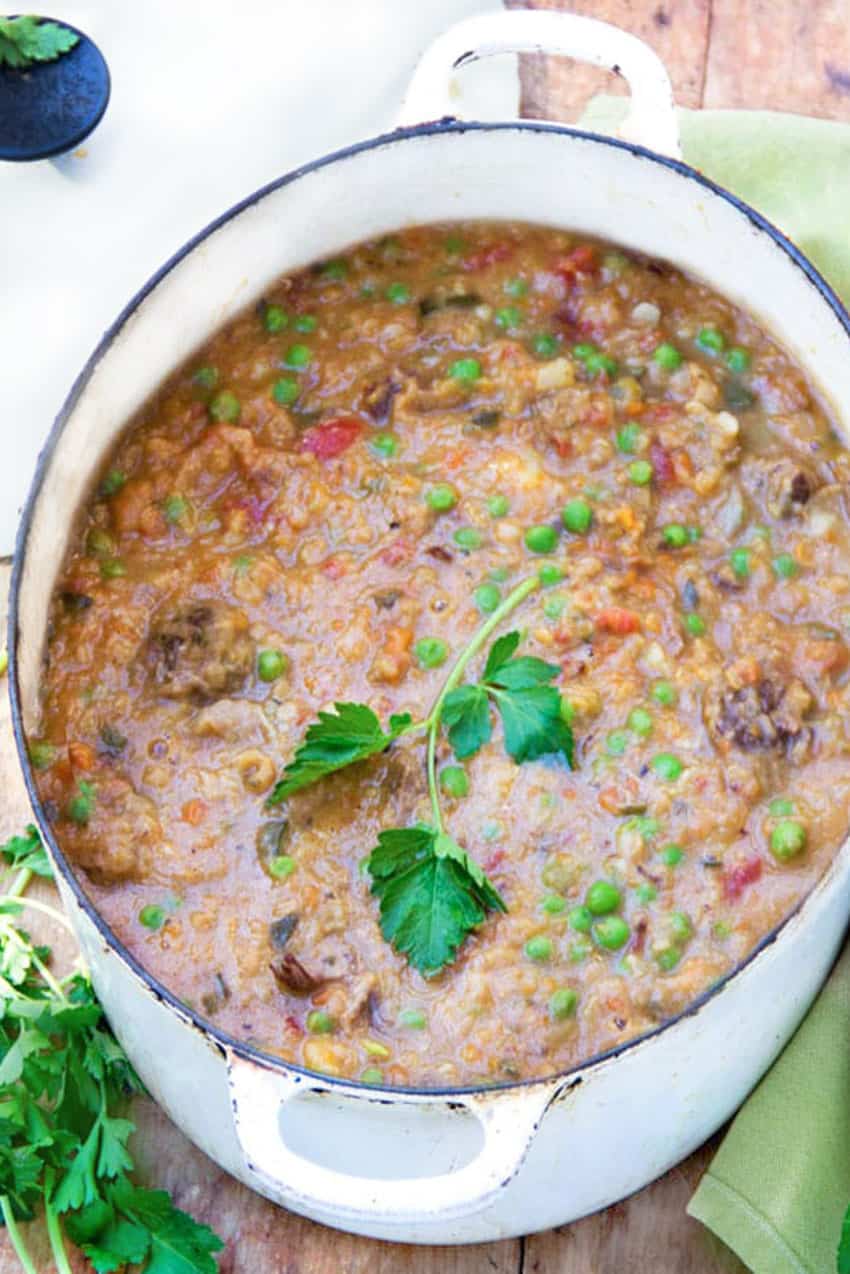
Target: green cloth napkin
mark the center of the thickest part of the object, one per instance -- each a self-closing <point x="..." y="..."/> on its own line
<point x="777" y="1189"/>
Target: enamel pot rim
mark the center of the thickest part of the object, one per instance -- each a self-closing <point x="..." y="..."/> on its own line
<point x="221" y="1040"/>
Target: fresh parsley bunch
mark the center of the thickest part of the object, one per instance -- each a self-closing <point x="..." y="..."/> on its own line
<point x="26" y="40"/>
<point x="64" y="1085"/>
<point x="432" y="894"/>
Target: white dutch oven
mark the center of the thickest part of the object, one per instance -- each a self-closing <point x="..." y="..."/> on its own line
<point x="462" y="1165"/>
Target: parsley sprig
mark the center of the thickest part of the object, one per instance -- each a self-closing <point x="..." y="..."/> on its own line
<point x="26" y="40"/>
<point x="431" y="893"/>
<point x="64" y="1083"/>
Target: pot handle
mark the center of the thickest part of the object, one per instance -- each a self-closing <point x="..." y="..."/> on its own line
<point x="258" y="1094"/>
<point x="651" y="119"/>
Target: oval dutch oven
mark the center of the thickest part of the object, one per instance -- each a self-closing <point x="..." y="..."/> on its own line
<point x="468" y="1164"/>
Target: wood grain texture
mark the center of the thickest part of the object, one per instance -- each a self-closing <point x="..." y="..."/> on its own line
<point x="790" y="55"/>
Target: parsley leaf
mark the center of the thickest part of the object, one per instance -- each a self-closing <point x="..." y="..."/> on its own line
<point x="27" y="852"/>
<point x="25" y="40"/>
<point x="178" y="1245"/>
<point x="843" y="1261"/>
<point x="533" y="724"/>
<point x="351" y="733"/>
<point x="466" y="712"/>
<point x="432" y="894"/>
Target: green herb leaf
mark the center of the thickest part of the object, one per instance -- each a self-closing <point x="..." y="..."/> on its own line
<point x="351" y="733"/>
<point x="178" y="1244"/>
<point x="27" y="852"/>
<point x="25" y="40"/>
<point x="466" y="712"/>
<point x="432" y="894"/>
<point x="533" y="724"/>
<point x="843" y="1261"/>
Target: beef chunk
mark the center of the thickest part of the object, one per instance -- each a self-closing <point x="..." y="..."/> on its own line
<point x="761" y="717"/>
<point x="200" y="651"/>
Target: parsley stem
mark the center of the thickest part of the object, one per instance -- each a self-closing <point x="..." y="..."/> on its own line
<point x="513" y="599"/>
<point x="20" y="883"/>
<point x="43" y="907"/>
<point x="57" y="1245"/>
<point x="15" y="1236"/>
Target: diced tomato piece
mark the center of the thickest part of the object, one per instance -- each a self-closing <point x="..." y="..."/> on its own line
<point x="334" y="568"/>
<point x="494" y="860"/>
<point x="193" y="812"/>
<point x="490" y="254"/>
<point x="616" y="619"/>
<point x="736" y="879"/>
<point x="397" y="553"/>
<point x="582" y="260"/>
<point x="658" y="412"/>
<point x="662" y="463"/>
<point x="81" y="755"/>
<point x="329" y="439"/>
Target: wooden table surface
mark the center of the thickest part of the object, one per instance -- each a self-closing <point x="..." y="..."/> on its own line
<point x="774" y="54"/>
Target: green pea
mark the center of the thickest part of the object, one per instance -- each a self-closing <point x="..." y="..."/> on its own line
<point x="664" y="692"/>
<point x="539" y="948"/>
<point x="413" y="1019"/>
<point x="550" y="574"/>
<point x="611" y="932"/>
<point x="580" y="950"/>
<point x="492" y="829"/>
<point x="431" y="652"/>
<point x="441" y="497"/>
<point x="509" y="317"/>
<point x="335" y="270"/>
<point x="498" y="506"/>
<point x="385" y="446"/>
<point x="398" y="293"/>
<point x="225" y="406"/>
<point x="281" y="866"/>
<point x="584" y="350"/>
<point x="499" y="574"/>
<point x="297" y="357"/>
<point x="781" y="808"/>
<point x="667" y="357"/>
<point x="112" y="568"/>
<point x="667" y="766"/>
<point x="454" y="781"/>
<point x="465" y="369"/>
<point x="285" y="391"/>
<point x="152" y="917"/>
<point x="710" y="340"/>
<point x="738" y="360"/>
<point x="275" y="318"/>
<point x="675" y="535"/>
<point x="668" y="958"/>
<point x="672" y="855"/>
<point x="320" y="1023"/>
<point x="628" y="438"/>
<point x="205" y="378"/>
<point x="616" y="742"/>
<point x="646" y="892"/>
<point x="515" y="287"/>
<point x="545" y="345"/>
<point x="99" y="543"/>
<point x="541" y="539"/>
<point x="645" y="826"/>
<point x="468" y="538"/>
<point x="271" y="664"/>
<point x="306" y="323"/>
<point x="787" y="839"/>
<point x="454" y="244"/>
<point x="597" y="362"/>
<point x="721" y="929"/>
<point x="372" y="1075"/>
<point x="694" y="533"/>
<point x="640" y="721"/>
<point x="640" y="473"/>
<point x="695" y="624"/>
<point x="487" y="598"/>
<point x="580" y="919"/>
<point x="784" y="566"/>
<point x="577" y="516"/>
<point x="602" y="897"/>
<point x="41" y="753"/>
<point x="553" y="904"/>
<point x="681" y="926"/>
<point x="554" y="607"/>
<point x="174" y="508"/>
<point x="563" y="1003"/>
<point x="739" y="560"/>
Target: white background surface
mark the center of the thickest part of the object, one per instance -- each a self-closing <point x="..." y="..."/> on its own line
<point x="210" y="99"/>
